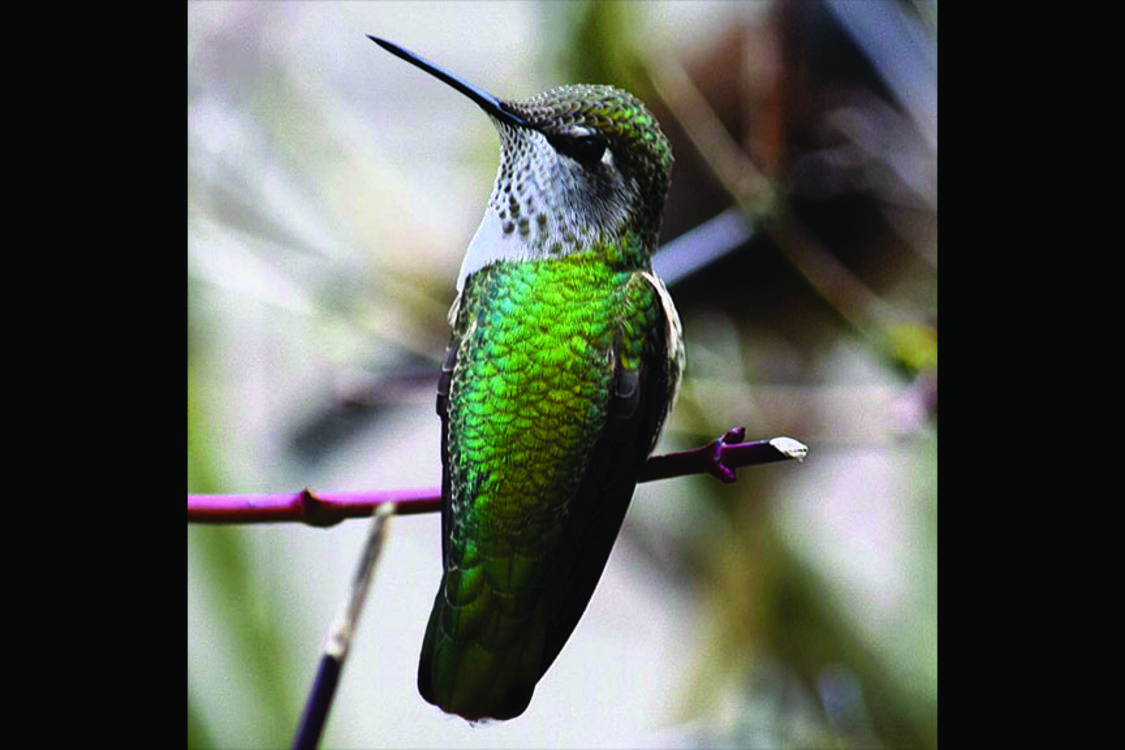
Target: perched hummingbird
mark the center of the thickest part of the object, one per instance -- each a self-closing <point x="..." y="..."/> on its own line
<point x="564" y="361"/>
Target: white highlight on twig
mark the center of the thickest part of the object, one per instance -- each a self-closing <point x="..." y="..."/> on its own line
<point x="790" y="447"/>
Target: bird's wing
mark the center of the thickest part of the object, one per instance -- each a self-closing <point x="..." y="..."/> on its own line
<point x="643" y="390"/>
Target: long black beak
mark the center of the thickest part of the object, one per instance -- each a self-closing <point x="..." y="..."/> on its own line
<point x="489" y="103"/>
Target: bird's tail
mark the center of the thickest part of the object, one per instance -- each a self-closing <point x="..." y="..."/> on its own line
<point x="482" y="659"/>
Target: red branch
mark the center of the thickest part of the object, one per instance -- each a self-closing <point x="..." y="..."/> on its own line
<point x="720" y="458"/>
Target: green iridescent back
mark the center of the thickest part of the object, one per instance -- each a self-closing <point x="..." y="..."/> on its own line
<point x="528" y="403"/>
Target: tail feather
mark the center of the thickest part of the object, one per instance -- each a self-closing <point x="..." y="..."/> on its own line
<point x="482" y="668"/>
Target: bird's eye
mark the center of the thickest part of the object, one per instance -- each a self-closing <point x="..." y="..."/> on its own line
<point x="585" y="149"/>
<point x="588" y="148"/>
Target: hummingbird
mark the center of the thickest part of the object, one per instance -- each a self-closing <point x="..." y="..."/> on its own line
<point x="564" y="360"/>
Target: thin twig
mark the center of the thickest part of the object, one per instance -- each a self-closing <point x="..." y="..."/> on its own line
<point x="339" y="639"/>
<point x="308" y="507"/>
<point x="720" y="458"/>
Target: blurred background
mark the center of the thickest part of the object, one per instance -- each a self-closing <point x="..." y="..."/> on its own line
<point x="332" y="190"/>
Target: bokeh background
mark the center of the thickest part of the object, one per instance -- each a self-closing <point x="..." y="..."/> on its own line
<point x="332" y="189"/>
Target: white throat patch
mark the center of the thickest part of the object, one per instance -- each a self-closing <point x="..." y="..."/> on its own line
<point x="491" y="244"/>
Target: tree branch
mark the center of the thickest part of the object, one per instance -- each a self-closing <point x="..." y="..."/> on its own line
<point x="719" y="458"/>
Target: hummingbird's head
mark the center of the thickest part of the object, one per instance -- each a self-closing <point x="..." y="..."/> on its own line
<point x="581" y="168"/>
<point x="590" y="160"/>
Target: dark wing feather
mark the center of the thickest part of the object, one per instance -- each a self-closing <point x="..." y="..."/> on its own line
<point x="425" y="669"/>
<point x="639" y="401"/>
<point x="449" y="362"/>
